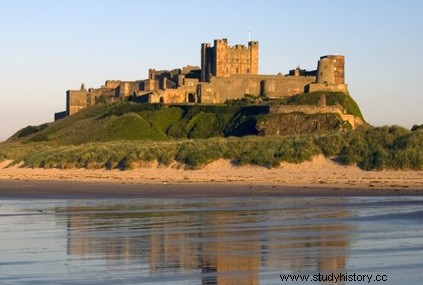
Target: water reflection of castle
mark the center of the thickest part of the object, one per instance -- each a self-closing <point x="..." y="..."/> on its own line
<point x="219" y="245"/>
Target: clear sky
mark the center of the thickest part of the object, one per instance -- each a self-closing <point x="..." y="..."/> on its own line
<point x="48" y="47"/>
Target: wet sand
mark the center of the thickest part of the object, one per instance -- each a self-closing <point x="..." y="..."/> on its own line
<point x="55" y="189"/>
<point x="320" y="177"/>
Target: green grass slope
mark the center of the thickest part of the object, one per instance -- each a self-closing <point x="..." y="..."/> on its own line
<point x="156" y="122"/>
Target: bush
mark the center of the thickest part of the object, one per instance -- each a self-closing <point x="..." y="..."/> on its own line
<point x="177" y="130"/>
<point x="238" y="102"/>
<point x="383" y="148"/>
<point x="163" y="119"/>
<point x="29" y="130"/>
<point x="305" y="98"/>
<point x="203" y="126"/>
<point x="331" y="144"/>
<point x="195" y="154"/>
<point x="417" y="128"/>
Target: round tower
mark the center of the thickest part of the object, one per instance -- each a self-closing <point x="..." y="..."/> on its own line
<point x="330" y="69"/>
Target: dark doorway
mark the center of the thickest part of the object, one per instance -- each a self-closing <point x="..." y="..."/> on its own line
<point x="161" y="100"/>
<point x="191" y="98"/>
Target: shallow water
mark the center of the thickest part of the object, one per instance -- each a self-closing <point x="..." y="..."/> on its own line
<point x="210" y="240"/>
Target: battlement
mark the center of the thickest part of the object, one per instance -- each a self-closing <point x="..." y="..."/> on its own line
<point x="240" y="46"/>
<point x="221" y="41"/>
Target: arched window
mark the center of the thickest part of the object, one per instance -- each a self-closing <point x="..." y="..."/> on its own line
<point x="161" y="100"/>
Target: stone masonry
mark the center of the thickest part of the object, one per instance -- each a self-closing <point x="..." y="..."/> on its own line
<point x="226" y="72"/>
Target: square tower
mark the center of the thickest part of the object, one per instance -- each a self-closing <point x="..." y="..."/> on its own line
<point x="222" y="60"/>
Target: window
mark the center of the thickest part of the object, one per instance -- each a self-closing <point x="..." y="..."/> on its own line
<point x="237" y="70"/>
<point x="248" y="70"/>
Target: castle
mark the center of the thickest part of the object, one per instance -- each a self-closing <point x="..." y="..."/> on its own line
<point x="226" y="72"/>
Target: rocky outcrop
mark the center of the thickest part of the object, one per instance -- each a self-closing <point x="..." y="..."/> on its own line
<point x="305" y="119"/>
<point x="300" y="123"/>
<point x="309" y="110"/>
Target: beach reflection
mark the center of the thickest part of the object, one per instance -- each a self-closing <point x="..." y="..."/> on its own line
<point x="215" y="241"/>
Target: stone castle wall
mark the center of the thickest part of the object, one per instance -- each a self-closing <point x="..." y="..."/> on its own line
<point x="227" y="72"/>
<point x="75" y="101"/>
<point x="272" y="86"/>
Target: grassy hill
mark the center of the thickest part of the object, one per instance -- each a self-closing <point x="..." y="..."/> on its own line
<point x="125" y="135"/>
<point x="132" y="121"/>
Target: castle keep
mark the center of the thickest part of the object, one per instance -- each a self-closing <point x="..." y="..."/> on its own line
<point x="226" y="72"/>
<point x="225" y="61"/>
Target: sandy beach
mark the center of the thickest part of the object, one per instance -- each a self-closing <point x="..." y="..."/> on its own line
<point x="321" y="173"/>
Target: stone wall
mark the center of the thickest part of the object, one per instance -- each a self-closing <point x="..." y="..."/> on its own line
<point x="235" y="87"/>
<point x="60" y="115"/>
<point x="94" y="94"/>
<point x="76" y="100"/>
<point x="328" y="87"/>
<point x="113" y="84"/>
<point x="127" y="88"/>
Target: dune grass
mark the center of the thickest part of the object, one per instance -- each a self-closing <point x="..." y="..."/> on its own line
<point x="369" y="148"/>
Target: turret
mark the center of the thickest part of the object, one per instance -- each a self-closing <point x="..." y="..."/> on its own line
<point x="222" y="68"/>
<point x="205" y="62"/>
<point x="254" y="56"/>
<point x="330" y="70"/>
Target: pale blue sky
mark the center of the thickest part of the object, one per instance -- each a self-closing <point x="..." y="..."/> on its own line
<point x="48" y="47"/>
